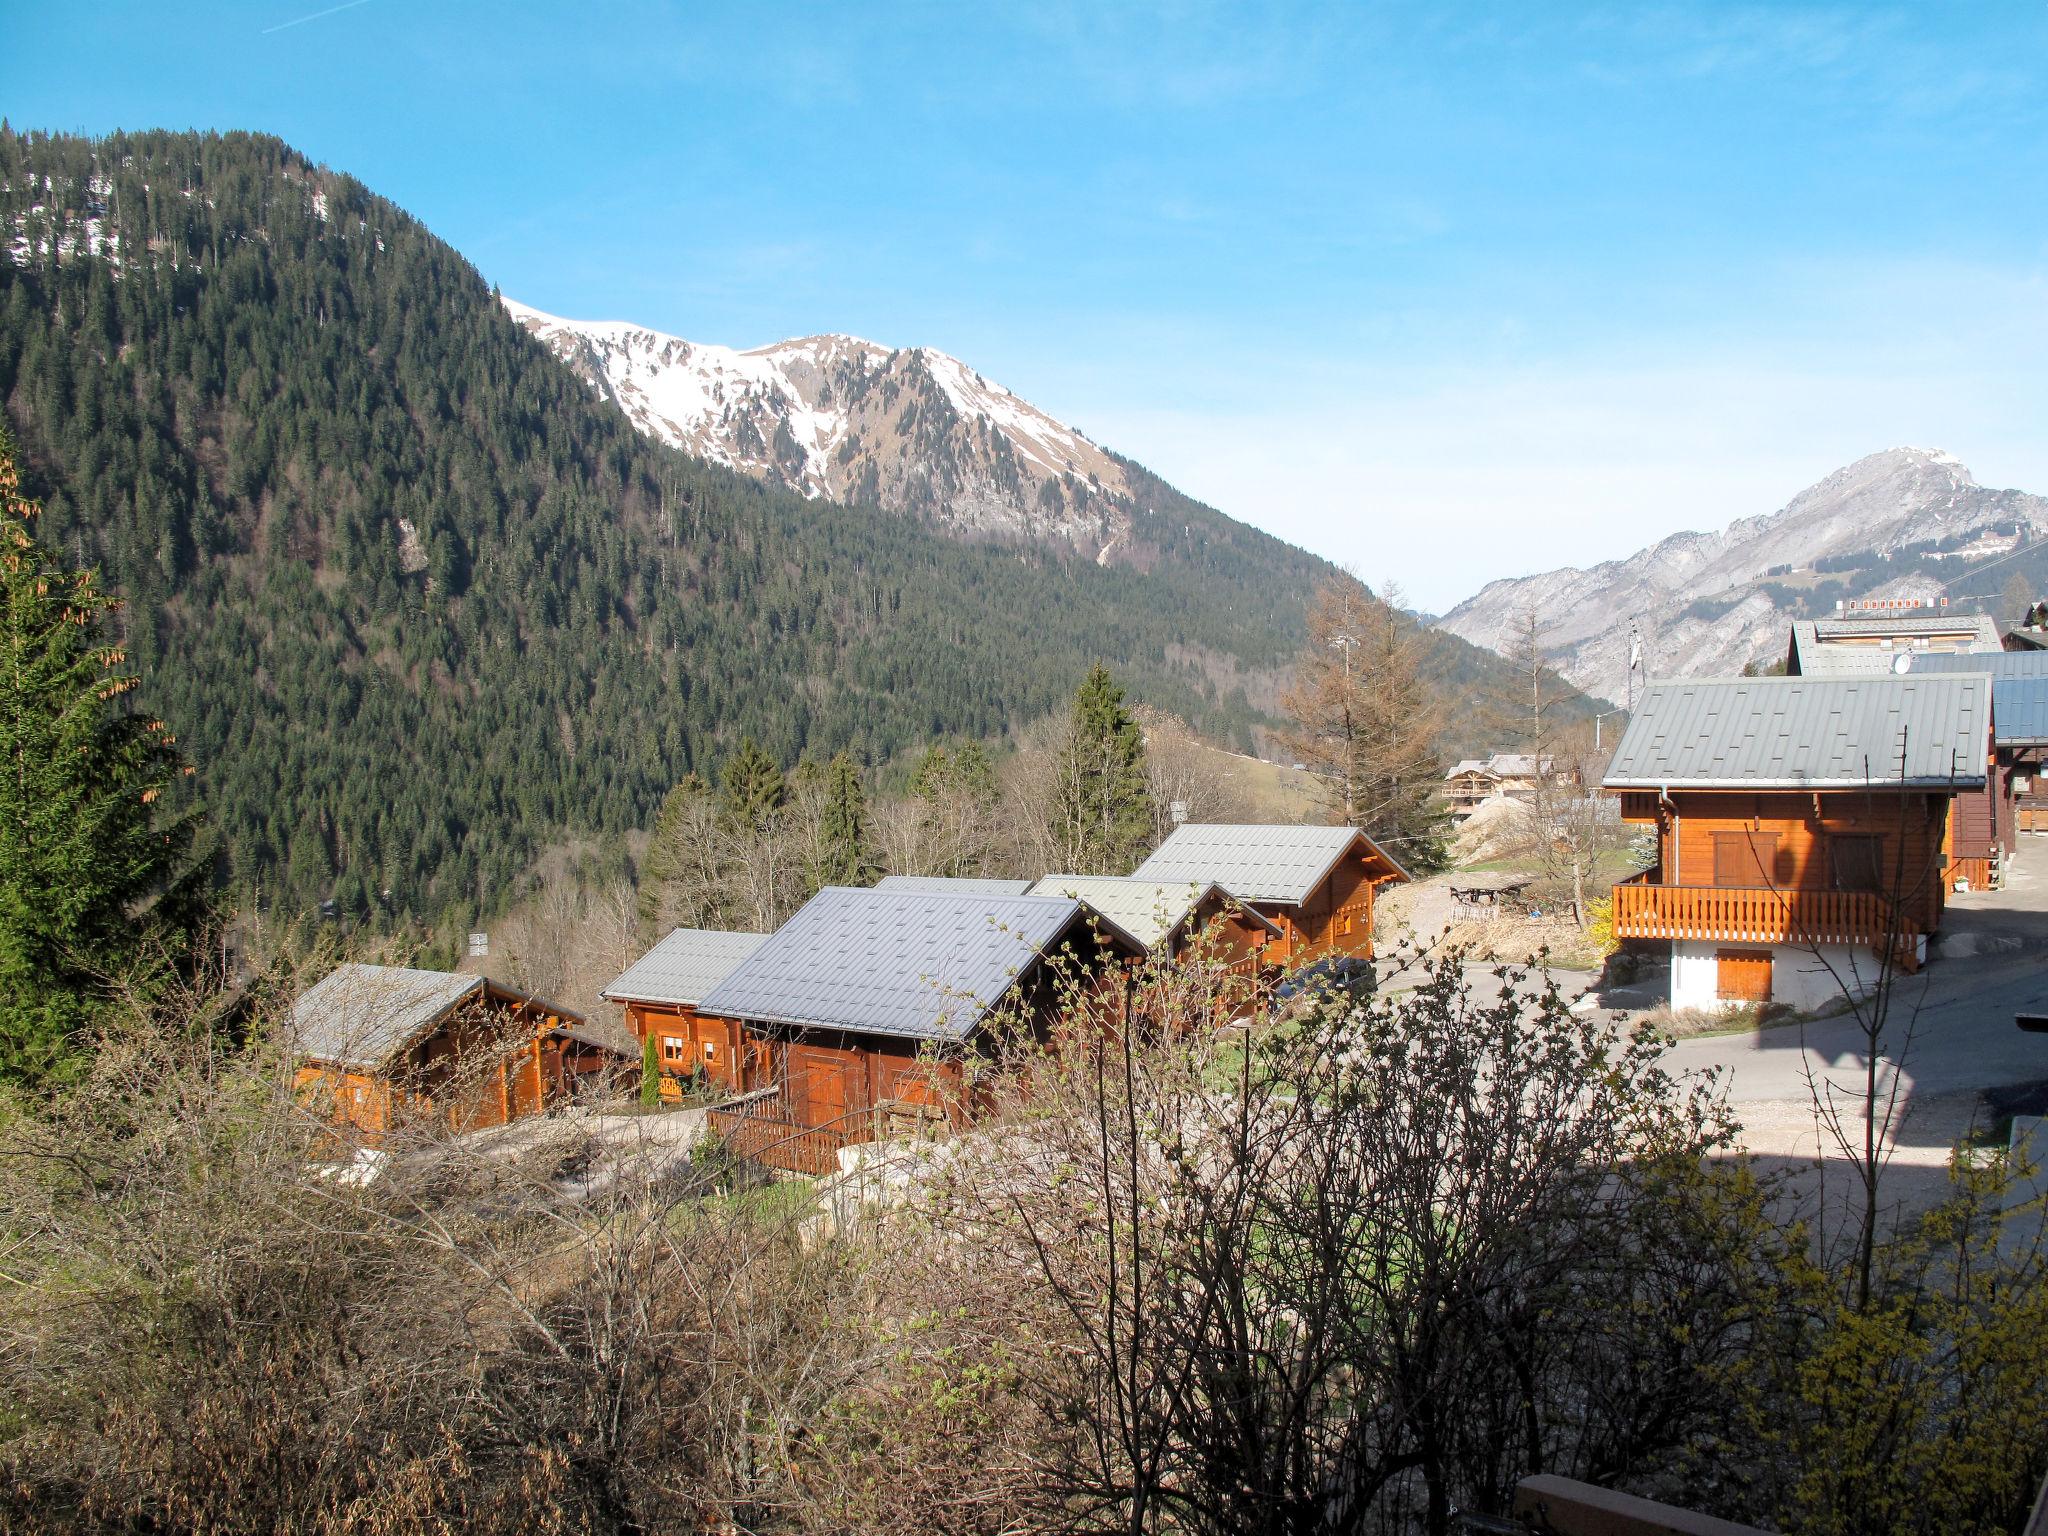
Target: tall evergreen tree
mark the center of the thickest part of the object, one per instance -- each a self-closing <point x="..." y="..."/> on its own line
<point x="751" y="788"/>
<point x="97" y="876"/>
<point x="1104" y="802"/>
<point x="845" y="853"/>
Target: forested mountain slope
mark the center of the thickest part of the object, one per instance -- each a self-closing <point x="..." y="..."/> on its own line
<point x="416" y="602"/>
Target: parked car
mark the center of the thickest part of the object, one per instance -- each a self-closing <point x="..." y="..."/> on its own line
<point x="1340" y="975"/>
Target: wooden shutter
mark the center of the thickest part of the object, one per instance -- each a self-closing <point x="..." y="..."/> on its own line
<point x="1745" y="858"/>
<point x="1745" y="975"/>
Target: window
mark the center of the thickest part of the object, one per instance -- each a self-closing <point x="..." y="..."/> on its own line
<point x="1857" y="863"/>
<point x="671" y="1048"/>
<point x="711" y="1050"/>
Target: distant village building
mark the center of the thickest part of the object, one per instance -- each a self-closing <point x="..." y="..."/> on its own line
<point x="1503" y="776"/>
<point x="1317" y="884"/>
<point x="1862" y="645"/>
<point x="662" y="992"/>
<point x="1801" y="826"/>
<point x="378" y="1045"/>
<point x="867" y="1004"/>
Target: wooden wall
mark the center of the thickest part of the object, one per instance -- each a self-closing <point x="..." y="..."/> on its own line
<point x="716" y="1045"/>
<point x="1314" y="928"/>
<point x="1803" y="824"/>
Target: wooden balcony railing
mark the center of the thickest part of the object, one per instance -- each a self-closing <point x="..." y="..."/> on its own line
<point x="1644" y="909"/>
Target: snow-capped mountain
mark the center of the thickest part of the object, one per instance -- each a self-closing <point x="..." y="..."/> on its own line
<point x="1901" y="523"/>
<point x="907" y="429"/>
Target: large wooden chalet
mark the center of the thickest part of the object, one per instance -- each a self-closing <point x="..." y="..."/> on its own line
<point x="380" y="1045"/>
<point x="1801" y="824"/>
<point x="867" y="1004"/>
<point x="663" y="991"/>
<point x="1316" y="884"/>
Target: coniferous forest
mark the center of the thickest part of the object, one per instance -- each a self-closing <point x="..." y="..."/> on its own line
<point x="416" y="603"/>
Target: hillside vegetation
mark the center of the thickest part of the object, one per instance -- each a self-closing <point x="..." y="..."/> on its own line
<point x="416" y="603"/>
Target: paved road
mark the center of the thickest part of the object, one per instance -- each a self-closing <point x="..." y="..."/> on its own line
<point x="1952" y="1022"/>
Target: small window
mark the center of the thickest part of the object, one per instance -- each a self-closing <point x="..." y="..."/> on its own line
<point x="1858" y="863"/>
<point x="711" y="1050"/>
<point x="671" y="1048"/>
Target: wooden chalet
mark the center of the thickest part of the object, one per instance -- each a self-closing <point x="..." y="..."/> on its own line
<point x="379" y="1045"/>
<point x="663" y="992"/>
<point x="1503" y="776"/>
<point x="1169" y="917"/>
<point x="1316" y="884"/>
<point x="1984" y="826"/>
<point x="1801" y="825"/>
<point x="862" y="1010"/>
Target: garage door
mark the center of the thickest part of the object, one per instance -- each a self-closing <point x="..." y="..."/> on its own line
<point x="1745" y="975"/>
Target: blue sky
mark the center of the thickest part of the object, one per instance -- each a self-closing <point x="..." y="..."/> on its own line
<point x="1445" y="292"/>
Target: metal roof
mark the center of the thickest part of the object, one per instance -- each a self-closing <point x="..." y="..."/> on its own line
<point x="2019" y="691"/>
<point x="1807" y="733"/>
<point x="1148" y="910"/>
<point x="1256" y="862"/>
<point x="683" y="966"/>
<point x="363" y="1015"/>
<point x="958" y="884"/>
<point x="928" y="965"/>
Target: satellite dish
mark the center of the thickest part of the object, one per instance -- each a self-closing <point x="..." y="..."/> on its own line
<point x="1902" y="663"/>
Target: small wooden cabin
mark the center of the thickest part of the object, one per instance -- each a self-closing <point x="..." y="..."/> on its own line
<point x="867" y="1004"/>
<point x="663" y="992"/>
<point x="1801" y="825"/>
<point x="379" y="1044"/>
<point x="1316" y="884"/>
<point x="1173" y="917"/>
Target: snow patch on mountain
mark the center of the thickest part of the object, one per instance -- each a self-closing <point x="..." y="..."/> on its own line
<point x="842" y="418"/>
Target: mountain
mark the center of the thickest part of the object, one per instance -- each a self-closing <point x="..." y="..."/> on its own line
<point x="908" y="430"/>
<point x="1907" y="522"/>
<point x="418" y="603"/>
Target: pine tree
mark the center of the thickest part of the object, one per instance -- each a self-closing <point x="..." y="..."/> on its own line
<point x="97" y="883"/>
<point x="751" y="788"/>
<point x="845" y="854"/>
<point x="650" y="1075"/>
<point x="1367" y="721"/>
<point x="1103" y="801"/>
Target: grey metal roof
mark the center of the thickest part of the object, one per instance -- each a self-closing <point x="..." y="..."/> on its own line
<point x="362" y="1015"/>
<point x="927" y="965"/>
<point x="2019" y="691"/>
<point x="1148" y="910"/>
<point x="1807" y="733"/>
<point x="958" y="884"/>
<point x="683" y="966"/>
<point x="1256" y="862"/>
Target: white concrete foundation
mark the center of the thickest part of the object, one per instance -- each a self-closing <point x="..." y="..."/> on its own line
<point x="1799" y="978"/>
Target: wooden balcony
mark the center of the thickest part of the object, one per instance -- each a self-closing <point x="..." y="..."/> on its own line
<point x="1644" y="909"/>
